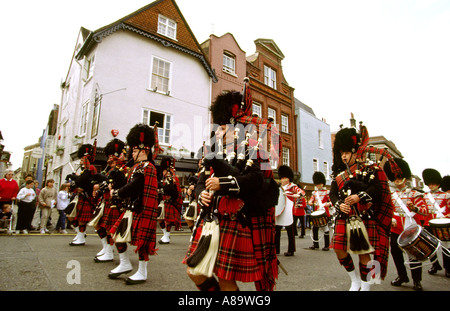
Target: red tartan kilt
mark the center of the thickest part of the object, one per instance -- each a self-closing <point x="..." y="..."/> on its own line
<point x="340" y="241"/>
<point x="110" y="216"/>
<point x="171" y="214"/>
<point x="236" y="258"/>
<point x="85" y="209"/>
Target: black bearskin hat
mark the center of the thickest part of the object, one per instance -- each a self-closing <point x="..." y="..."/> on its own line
<point x="166" y="162"/>
<point x="431" y="176"/>
<point x="114" y="147"/>
<point x="286" y="171"/>
<point x="85" y="150"/>
<point x="404" y="166"/>
<point x="319" y="178"/>
<point x="225" y="107"/>
<point x="445" y="184"/>
<point x="347" y="139"/>
<point x="141" y="136"/>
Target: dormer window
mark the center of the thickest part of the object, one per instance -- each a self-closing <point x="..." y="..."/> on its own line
<point x="167" y="27"/>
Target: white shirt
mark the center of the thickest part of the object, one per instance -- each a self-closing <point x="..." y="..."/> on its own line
<point x="22" y="195"/>
<point x="63" y="200"/>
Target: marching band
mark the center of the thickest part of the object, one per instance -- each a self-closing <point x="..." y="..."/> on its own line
<point x="236" y="208"/>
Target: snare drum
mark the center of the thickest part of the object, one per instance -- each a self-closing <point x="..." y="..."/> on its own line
<point x="440" y="227"/>
<point x="418" y="243"/>
<point x="319" y="218"/>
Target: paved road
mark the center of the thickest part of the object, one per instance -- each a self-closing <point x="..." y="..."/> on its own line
<point x="47" y="263"/>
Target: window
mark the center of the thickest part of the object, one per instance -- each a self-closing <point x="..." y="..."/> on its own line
<point x="96" y="115"/>
<point x="270" y="77"/>
<point x="229" y="63"/>
<point x="315" y="165"/>
<point x="160" y="75"/>
<point x="320" y="139"/>
<point x="271" y="113"/>
<point x="325" y="169"/>
<point x="88" y="68"/>
<point x="164" y="124"/>
<point x="167" y="27"/>
<point x="84" y="118"/>
<point x="286" y="156"/>
<point x="284" y="124"/>
<point x="256" y="109"/>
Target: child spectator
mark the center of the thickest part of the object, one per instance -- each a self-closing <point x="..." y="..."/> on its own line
<point x="5" y="216"/>
<point x="47" y="200"/>
<point x="62" y="202"/>
<point x="26" y="197"/>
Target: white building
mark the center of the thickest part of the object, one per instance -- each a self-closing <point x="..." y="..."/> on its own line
<point x="145" y="67"/>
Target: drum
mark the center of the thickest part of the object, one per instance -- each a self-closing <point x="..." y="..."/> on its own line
<point x="440" y="227"/>
<point x="319" y="218"/>
<point x="283" y="210"/>
<point x="281" y="202"/>
<point x="418" y="243"/>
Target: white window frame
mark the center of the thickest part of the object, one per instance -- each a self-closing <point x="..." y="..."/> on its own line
<point x="229" y="63"/>
<point x="163" y="129"/>
<point x="84" y="118"/>
<point x="284" y="123"/>
<point x="270" y="77"/>
<point x="286" y="156"/>
<point x="88" y="67"/>
<point x="96" y="115"/>
<point x="320" y="133"/>
<point x="167" y="27"/>
<point x="159" y="75"/>
<point x="315" y="164"/>
<point x="272" y="113"/>
<point x="256" y="110"/>
<point x="326" y="170"/>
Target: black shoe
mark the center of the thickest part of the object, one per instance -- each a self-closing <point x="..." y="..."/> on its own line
<point x="313" y="247"/>
<point x="417" y="286"/>
<point x="301" y="237"/>
<point x="132" y="282"/>
<point x="399" y="281"/>
<point x="116" y="275"/>
<point x="289" y="254"/>
<point x="434" y="269"/>
<point x="326" y="249"/>
<point x="447" y="273"/>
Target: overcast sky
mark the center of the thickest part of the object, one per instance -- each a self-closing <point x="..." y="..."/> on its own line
<point x="388" y="62"/>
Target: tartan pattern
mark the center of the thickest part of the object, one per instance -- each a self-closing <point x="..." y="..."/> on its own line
<point x="110" y="215"/>
<point x="383" y="217"/>
<point x="85" y="209"/>
<point x="143" y="230"/>
<point x="246" y="254"/>
<point x="172" y="210"/>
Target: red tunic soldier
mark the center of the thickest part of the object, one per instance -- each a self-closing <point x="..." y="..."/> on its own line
<point x="410" y="208"/>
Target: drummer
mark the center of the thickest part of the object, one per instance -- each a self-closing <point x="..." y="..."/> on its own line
<point x="320" y="200"/>
<point x="293" y="192"/>
<point x="409" y="209"/>
<point x="438" y="204"/>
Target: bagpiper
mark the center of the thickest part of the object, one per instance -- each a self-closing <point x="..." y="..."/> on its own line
<point x="84" y="185"/>
<point x="360" y="194"/>
<point x="110" y="209"/>
<point x="171" y="200"/>
<point x="234" y="237"/>
<point x="137" y="224"/>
